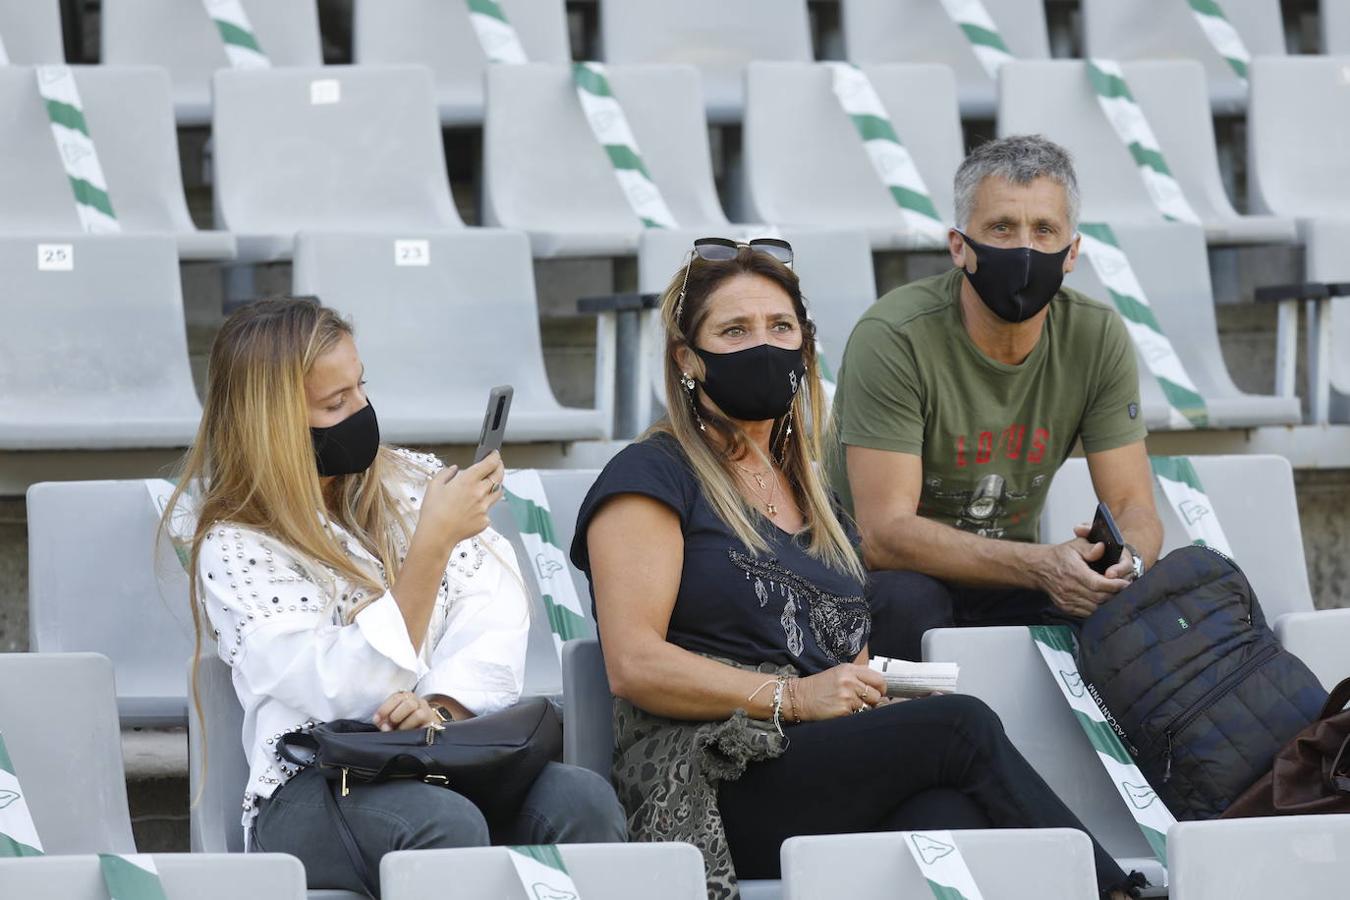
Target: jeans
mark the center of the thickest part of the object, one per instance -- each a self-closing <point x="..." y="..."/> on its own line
<point x="567" y="804"/>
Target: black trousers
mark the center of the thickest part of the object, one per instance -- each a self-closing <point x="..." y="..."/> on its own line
<point x="941" y="762"/>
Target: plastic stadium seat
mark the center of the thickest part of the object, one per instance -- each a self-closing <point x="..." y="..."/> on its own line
<point x="1335" y="17"/>
<point x="142" y="621"/>
<point x="568" y="198"/>
<point x="1170" y="262"/>
<point x="879" y="866"/>
<point x="806" y="165"/>
<point x="437" y="337"/>
<point x="58" y="716"/>
<point x="441" y="36"/>
<point x="1002" y="667"/>
<point x="718" y="37"/>
<point x="184" y="876"/>
<point x="1319" y="639"/>
<point x="94" y="356"/>
<point x="921" y="31"/>
<point x="31" y="31"/>
<point x="566" y="489"/>
<point x="131" y="121"/>
<point x="179" y="36"/>
<point x="1290" y="857"/>
<point x="1166" y="29"/>
<point x="1253" y="498"/>
<point x="1055" y="98"/>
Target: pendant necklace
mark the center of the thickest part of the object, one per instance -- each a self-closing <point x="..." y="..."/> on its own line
<point x="760" y="487"/>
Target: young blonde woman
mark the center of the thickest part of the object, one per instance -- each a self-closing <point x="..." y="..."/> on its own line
<point x="729" y="598"/>
<point x="345" y="579"/>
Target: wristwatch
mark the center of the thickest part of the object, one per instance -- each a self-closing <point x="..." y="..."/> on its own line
<point x="442" y="713"/>
<point x="1136" y="561"/>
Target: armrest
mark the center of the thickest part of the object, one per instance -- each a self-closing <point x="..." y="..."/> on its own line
<point x="1319" y="639"/>
<point x="1305" y="290"/>
<point x="624" y="302"/>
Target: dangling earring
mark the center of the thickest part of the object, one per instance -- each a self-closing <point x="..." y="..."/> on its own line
<point x="690" y="385"/>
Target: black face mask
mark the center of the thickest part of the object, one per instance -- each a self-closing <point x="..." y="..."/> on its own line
<point x="754" y="384"/>
<point x="349" y="446"/>
<point x="1015" y="282"/>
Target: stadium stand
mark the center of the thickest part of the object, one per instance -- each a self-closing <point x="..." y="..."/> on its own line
<point x="197" y="876"/>
<point x="806" y="165"/>
<point x="93" y="354"/>
<point x="439" y="35"/>
<point x="719" y="38"/>
<point x="922" y="31"/>
<point x="1164" y="29"/>
<point x="1056" y="99"/>
<point x="130" y="119"/>
<point x="31" y="31"/>
<point x="1290" y="857"/>
<point x="534" y="106"/>
<point x="179" y="36"/>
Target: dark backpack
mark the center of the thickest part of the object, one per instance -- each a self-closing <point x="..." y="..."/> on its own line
<point x="1205" y="695"/>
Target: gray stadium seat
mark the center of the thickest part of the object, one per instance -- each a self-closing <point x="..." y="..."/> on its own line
<point x="1290" y="857"/>
<point x="719" y="38"/>
<point x="1170" y="261"/>
<point x="58" y="716"/>
<point x="179" y="36"/>
<point x="806" y="165"/>
<point x="1055" y="98"/>
<point x="566" y="489"/>
<point x="141" y="620"/>
<point x="94" y="357"/>
<point x="440" y="35"/>
<point x="1166" y="29"/>
<point x="370" y="162"/>
<point x="1335" y="16"/>
<point x="435" y="336"/>
<point x="1002" y="862"/>
<point x="1319" y="639"/>
<point x="31" y="31"/>
<point x="921" y="31"/>
<point x="1253" y="499"/>
<point x="568" y="199"/>
<point x="184" y="876"/>
<point x="131" y="121"/>
<point x="670" y="871"/>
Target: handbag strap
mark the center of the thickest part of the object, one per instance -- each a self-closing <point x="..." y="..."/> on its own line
<point x="1336" y="700"/>
<point x="344" y="832"/>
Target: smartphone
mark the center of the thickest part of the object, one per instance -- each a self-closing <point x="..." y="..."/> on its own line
<point x="494" y="421"/>
<point x="1104" y="531"/>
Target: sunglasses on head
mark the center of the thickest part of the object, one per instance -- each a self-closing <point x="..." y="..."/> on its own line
<point x="716" y="249"/>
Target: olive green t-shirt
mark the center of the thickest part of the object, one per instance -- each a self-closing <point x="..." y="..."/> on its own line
<point x="991" y="435"/>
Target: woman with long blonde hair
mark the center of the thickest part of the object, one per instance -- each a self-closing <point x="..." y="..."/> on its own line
<point x="729" y="599"/>
<point x="345" y="579"/>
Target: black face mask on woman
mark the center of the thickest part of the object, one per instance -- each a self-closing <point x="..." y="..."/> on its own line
<point x="1015" y="282"/>
<point x="349" y="446"/>
<point x="753" y="384"/>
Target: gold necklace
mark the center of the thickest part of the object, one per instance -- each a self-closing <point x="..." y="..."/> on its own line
<point x="769" y="506"/>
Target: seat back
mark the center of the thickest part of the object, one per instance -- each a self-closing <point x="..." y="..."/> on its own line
<point x="127" y="598"/>
<point x="31" y="31"/>
<point x="441" y="36"/>
<point x="588" y="708"/>
<point x="879" y="866"/>
<point x="1291" y="857"/>
<point x="1319" y="639"/>
<point x="93" y="355"/>
<point x="217" y="765"/>
<point x="71" y="771"/>
<point x="1298" y="123"/>
<point x="1253" y="499"/>
<point x="184" y="876"/>
<point x="1335" y="27"/>
<point x="566" y="489"/>
<point x="922" y="31"/>
<point x="719" y="38"/>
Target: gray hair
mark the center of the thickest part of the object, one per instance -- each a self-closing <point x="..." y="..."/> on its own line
<point x="1021" y="159"/>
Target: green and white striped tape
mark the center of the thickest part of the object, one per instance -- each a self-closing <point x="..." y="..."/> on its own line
<point x="979" y="28"/>
<point x="130" y="876"/>
<point x="236" y="32"/>
<point x="943" y="867"/>
<point x="1056" y="646"/>
<point x="610" y="127"/>
<point x="1181" y="486"/>
<point x="542" y="872"/>
<point x="1222" y="35"/>
<point x="893" y="163"/>
<point x="496" y="35"/>
<point x="56" y="84"/>
<point x="18" y="834"/>
<point x="528" y="503"/>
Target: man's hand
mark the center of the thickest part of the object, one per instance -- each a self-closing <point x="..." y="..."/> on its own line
<point x="1063" y="573"/>
<point x="1124" y="567"/>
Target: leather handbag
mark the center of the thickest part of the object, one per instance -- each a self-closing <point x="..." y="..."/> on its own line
<point x="1311" y="774"/>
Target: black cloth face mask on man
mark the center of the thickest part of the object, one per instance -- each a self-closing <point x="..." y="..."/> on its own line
<point x="1015" y="282"/>
<point x="753" y="384"/>
<point x="349" y="446"/>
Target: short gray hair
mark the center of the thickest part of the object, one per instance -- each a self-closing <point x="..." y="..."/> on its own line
<point x="1021" y="159"/>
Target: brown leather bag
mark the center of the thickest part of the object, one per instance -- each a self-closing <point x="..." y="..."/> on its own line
<point x="1311" y="775"/>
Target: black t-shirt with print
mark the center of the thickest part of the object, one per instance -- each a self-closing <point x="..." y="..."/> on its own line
<point x="784" y="607"/>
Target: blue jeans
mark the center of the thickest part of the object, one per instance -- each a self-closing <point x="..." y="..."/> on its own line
<point x="566" y="805"/>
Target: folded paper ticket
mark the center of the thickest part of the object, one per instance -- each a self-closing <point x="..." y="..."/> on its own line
<point x="914" y="679"/>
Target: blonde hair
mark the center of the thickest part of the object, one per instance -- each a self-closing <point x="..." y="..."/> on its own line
<point x="797" y="439"/>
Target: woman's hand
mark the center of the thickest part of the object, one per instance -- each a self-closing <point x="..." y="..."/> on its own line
<point x="404" y="711"/>
<point x="455" y="506"/>
<point x="839" y="691"/>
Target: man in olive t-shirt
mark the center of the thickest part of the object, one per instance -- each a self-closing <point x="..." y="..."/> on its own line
<point x="961" y="395"/>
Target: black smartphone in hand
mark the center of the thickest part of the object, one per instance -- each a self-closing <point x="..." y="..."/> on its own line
<point x="494" y="421"/>
<point x="1104" y="531"/>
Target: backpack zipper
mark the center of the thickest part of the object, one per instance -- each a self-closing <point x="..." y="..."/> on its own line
<point x="1212" y="696"/>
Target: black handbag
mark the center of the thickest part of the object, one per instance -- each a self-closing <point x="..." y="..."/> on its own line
<point x="492" y="760"/>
